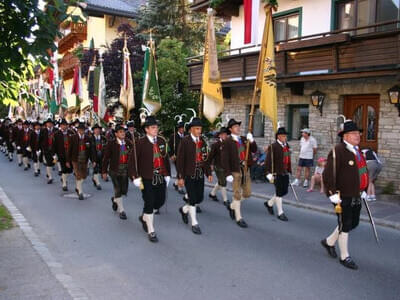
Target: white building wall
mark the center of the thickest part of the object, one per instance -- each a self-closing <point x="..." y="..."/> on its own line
<point x="316" y="18"/>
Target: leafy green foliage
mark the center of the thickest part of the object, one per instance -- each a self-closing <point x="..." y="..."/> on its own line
<point x="27" y="33"/>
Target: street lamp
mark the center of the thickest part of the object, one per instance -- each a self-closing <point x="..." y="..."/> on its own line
<point x="394" y="96"/>
<point x="317" y="100"/>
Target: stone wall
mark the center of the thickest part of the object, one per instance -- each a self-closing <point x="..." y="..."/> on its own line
<point x="324" y="128"/>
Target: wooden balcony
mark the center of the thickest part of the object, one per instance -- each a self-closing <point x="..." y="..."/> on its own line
<point x="325" y="56"/>
<point x="73" y="34"/>
<point x="67" y="65"/>
<point x="227" y="9"/>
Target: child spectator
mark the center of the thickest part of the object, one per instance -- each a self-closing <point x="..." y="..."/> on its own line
<point x="317" y="177"/>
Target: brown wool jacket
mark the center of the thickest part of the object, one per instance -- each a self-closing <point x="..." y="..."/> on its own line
<point x="59" y="144"/>
<point x="111" y="156"/>
<point x="144" y="156"/>
<point x="186" y="158"/>
<point x="34" y="141"/>
<point x="72" y="154"/>
<point x="216" y="154"/>
<point x="230" y="155"/>
<point x="347" y="177"/>
<point x="277" y="153"/>
<point x="44" y="145"/>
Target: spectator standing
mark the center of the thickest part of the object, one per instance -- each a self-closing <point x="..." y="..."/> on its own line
<point x="308" y="148"/>
<point x="374" y="166"/>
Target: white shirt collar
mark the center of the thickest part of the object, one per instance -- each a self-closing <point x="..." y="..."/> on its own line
<point x="120" y="141"/>
<point x="280" y="143"/>
<point x="151" y="139"/>
<point x="235" y="137"/>
<point x="350" y="147"/>
<point x="195" y="138"/>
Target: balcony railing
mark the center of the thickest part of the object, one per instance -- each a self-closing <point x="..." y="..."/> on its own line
<point x="67" y="65"/>
<point x="329" y="55"/>
<point x="73" y="34"/>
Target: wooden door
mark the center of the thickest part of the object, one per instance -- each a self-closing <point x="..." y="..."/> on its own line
<point x="364" y="110"/>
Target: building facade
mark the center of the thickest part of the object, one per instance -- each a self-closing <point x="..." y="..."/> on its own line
<point x="347" y="52"/>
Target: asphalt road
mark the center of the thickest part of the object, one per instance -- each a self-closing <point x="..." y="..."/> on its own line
<point x="112" y="259"/>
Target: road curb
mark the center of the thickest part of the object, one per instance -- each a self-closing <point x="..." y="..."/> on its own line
<point x="41" y="249"/>
<point x="378" y="221"/>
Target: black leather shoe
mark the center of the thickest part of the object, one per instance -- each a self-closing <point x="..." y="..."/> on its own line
<point x="198" y="209"/>
<point x="185" y="218"/>
<point x="114" y="205"/>
<point x="156" y="211"/>
<point x="39" y="171"/>
<point x="270" y="208"/>
<point x="185" y="200"/>
<point x="283" y="217"/>
<point x="153" y="237"/>
<point x="81" y="197"/>
<point x="123" y="216"/>
<point x="242" y="223"/>
<point x="64" y="188"/>
<point x="26" y="169"/>
<point x="50" y="181"/>
<point x="349" y="263"/>
<point x="196" y="229"/>
<point x="213" y="197"/>
<point x="226" y="203"/>
<point x="331" y="249"/>
<point x="20" y="164"/>
<point x="98" y="187"/>
<point x="144" y="225"/>
<point x="29" y="166"/>
<point x="77" y="192"/>
<point x="36" y="174"/>
<point x="59" y="173"/>
<point x="94" y="183"/>
<point x="231" y="211"/>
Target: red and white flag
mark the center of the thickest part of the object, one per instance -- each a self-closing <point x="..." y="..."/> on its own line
<point x="251" y="10"/>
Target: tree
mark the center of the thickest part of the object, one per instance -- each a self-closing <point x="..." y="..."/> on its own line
<point x="173" y="19"/>
<point x="27" y="33"/>
<point x="173" y="81"/>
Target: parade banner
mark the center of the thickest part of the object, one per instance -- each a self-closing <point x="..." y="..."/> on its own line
<point x="211" y="85"/>
<point x="102" y="107"/>
<point x="76" y="89"/>
<point x="126" y="97"/>
<point x="266" y="74"/>
<point x="151" y="91"/>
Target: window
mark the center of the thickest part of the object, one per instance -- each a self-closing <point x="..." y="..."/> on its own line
<point x="297" y="120"/>
<point x="357" y="13"/>
<point x="258" y="121"/>
<point x="287" y="24"/>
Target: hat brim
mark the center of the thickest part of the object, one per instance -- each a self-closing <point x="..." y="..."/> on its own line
<point x="235" y="123"/>
<point x="341" y="133"/>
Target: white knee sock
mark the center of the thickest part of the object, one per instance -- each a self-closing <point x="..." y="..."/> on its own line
<point x="120" y="204"/>
<point x="64" y="179"/>
<point x="96" y="179"/>
<point x="36" y="167"/>
<point x="235" y="205"/>
<point x="185" y="208"/>
<point x="25" y="161"/>
<point x="192" y="213"/>
<point x="223" y="193"/>
<point x="331" y="240"/>
<point x="19" y="156"/>
<point x="343" y="245"/>
<point x="271" y="201"/>
<point x="149" y="219"/>
<point x="59" y="166"/>
<point x="278" y="202"/>
<point x="10" y="155"/>
<point x="79" y="186"/>
<point x="49" y="173"/>
<point x="215" y="189"/>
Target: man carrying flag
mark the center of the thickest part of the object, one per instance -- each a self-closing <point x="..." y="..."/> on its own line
<point x="211" y="85"/>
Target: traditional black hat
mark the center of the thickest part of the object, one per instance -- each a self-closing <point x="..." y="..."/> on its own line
<point x="150" y="121"/>
<point x="196" y="122"/>
<point x="224" y="130"/>
<point x="37" y="123"/>
<point x="49" y="120"/>
<point x="27" y="122"/>
<point x="81" y="125"/>
<point x="63" y="122"/>
<point x="130" y="124"/>
<point x="18" y="121"/>
<point x="281" y="130"/>
<point x="180" y="125"/>
<point x="96" y="126"/>
<point x="76" y="121"/>
<point x="349" y="126"/>
<point x="233" y="122"/>
<point x="119" y="127"/>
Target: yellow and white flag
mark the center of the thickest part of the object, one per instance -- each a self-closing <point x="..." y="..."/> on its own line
<point x="211" y="89"/>
<point x="126" y="97"/>
<point x="266" y="73"/>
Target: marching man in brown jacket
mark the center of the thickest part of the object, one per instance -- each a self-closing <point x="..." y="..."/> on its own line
<point x="48" y="148"/>
<point x="192" y="164"/>
<point x="62" y="145"/>
<point x="346" y="180"/>
<point x="151" y="173"/>
<point x="115" y="162"/>
<point x="79" y="154"/>
<point x="233" y="161"/>
<point x="278" y="167"/>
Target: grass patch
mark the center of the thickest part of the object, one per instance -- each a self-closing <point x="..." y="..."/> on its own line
<point x="6" y="221"/>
